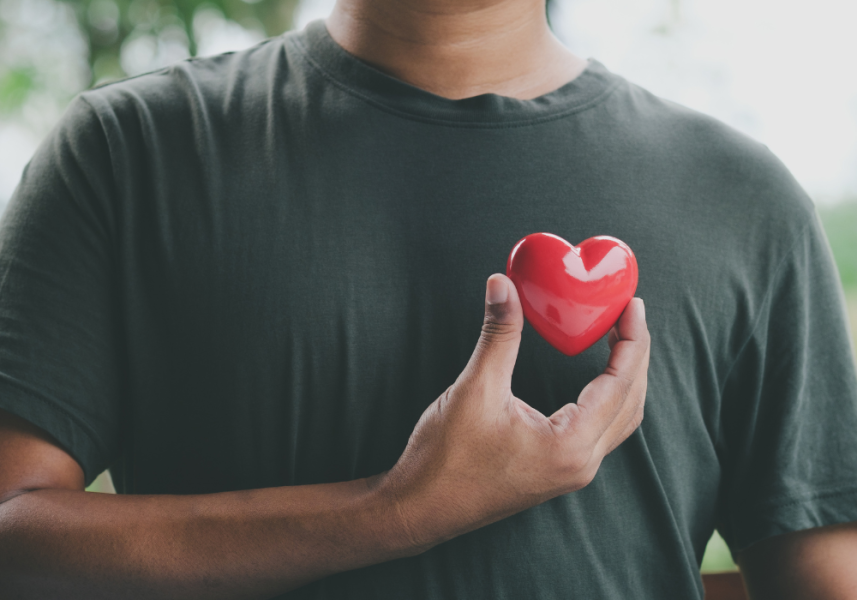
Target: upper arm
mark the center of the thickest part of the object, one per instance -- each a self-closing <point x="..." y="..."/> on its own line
<point x="31" y="459"/>
<point x="815" y="564"/>
<point x="61" y="344"/>
<point x="788" y="414"/>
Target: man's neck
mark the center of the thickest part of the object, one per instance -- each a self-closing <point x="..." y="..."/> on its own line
<point x="458" y="48"/>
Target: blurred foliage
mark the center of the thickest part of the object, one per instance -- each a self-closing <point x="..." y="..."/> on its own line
<point x="840" y="224"/>
<point x="109" y="25"/>
<point x="103" y="484"/>
<point x="52" y="49"/>
<point x="717" y="556"/>
<point x="15" y="85"/>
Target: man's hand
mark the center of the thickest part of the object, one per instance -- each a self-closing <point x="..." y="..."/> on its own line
<point x="479" y="454"/>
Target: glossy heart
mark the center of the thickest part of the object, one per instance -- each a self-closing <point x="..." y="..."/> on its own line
<point x="572" y="295"/>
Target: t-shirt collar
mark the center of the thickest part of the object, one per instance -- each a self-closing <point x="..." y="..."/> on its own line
<point x="394" y="95"/>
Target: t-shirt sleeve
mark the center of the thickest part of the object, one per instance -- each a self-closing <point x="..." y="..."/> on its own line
<point x="789" y="414"/>
<point x="60" y="354"/>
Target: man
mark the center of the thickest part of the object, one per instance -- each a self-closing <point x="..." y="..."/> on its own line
<point x="250" y="286"/>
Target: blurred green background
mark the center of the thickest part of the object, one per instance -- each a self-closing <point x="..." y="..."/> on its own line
<point x="123" y="37"/>
<point x="52" y="49"/>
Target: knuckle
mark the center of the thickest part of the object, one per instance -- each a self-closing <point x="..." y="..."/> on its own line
<point x="494" y="331"/>
<point x="578" y="464"/>
<point x="586" y="476"/>
<point x="466" y="389"/>
<point x="625" y="383"/>
<point x="589" y="476"/>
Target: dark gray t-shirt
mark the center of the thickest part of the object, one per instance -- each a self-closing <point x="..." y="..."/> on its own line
<point x="259" y="269"/>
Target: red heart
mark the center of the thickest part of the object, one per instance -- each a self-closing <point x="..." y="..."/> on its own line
<point x="572" y="295"/>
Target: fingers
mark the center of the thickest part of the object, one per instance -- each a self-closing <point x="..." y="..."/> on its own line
<point x="497" y="348"/>
<point x="631" y="421"/>
<point x="621" y="389"/>
<point x="629" y="352"/>
<point x="612" y="337"/>
<point x="609" y="406"/>
<point x="632" y="323"/>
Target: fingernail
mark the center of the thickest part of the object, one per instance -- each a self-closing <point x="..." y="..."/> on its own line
<point x="497" y="292"/>
<point x="643" y="307"/>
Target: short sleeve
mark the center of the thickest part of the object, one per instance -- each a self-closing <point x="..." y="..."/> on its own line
<point x="788" y="435"/>
<point x="60" y="355"/>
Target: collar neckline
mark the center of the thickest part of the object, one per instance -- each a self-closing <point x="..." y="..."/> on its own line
<point x="393" y="95"/>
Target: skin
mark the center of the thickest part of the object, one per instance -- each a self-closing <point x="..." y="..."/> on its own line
<point x="815" y="564"/>
<point x="458" y="48"/>
<point x="477" y="455"/>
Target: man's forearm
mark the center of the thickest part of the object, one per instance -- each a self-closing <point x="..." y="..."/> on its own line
<point x="247" y="544"/>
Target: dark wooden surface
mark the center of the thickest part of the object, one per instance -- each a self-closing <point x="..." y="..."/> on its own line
<point x="724" y="586"/>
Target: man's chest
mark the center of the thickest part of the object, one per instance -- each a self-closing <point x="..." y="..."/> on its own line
<point x="291" y="326"/>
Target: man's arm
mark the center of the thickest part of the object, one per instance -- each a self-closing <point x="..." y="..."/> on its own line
<point x="56" y="541"/>
<point x="815" y="564"/>
<point x="477" y="455"/>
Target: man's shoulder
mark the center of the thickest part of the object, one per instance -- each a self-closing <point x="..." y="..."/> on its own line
<point x="215" y="84"/>
<point x="670" y="122"/>
<point x="732" y="176"/>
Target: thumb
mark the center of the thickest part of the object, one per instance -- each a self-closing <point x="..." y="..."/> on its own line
<point x="497" y="349"/>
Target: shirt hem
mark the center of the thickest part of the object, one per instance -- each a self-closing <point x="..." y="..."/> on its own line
<point x="61" y="427"/>
<point x="832" y="506"/>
